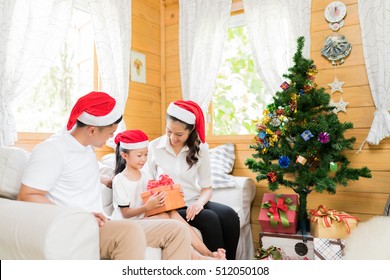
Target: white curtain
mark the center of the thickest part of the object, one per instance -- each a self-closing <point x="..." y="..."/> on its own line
<point x="202" y="28"/>
<point x="274" y="27"/>
<point x="112" y="30"/>
<point x="31" y="35"/>
<point x="374" y="18"/>
<point x="111" y="21"/>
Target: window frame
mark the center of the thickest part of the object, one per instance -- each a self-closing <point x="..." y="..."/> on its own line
<point x="236" y="18"/>
<point x="27" y="139"/>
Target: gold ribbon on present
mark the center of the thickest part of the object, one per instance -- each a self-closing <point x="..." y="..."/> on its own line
<point x="277" y="210"/>
<point x="329" y="216"/>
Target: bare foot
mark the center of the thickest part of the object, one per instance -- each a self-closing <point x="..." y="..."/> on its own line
<point x="197" y="256"/>
<point x="220" y="254"/>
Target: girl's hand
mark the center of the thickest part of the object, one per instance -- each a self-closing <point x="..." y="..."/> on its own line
<point x="155" y="200"/>
<point x="193" y="210"/>
<point x="101" y="218"/>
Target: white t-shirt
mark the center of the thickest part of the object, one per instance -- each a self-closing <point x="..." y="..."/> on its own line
<point x="127" y="193"/>
<point x="163" y="160"/>
<point x="67" y="170"/>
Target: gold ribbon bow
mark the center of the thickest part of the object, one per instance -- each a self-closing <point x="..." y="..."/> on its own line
<point x="330" y="216"/>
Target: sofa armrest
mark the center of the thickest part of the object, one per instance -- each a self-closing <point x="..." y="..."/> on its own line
<point x="240" y="199"/>
<point x="43" y="231"/>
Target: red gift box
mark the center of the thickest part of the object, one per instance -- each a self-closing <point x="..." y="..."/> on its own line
<point x="173" y="200"/>
<point x="278" y="213"/>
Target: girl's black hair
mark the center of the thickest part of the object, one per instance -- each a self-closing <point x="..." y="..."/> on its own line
<point x="120" y="162"/>
<point x="192" y="142"/>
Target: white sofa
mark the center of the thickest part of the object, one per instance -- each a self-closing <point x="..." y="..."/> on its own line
<point x="38" y="231"/>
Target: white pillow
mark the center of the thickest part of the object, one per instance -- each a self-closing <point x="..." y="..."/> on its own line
<point x="222" y="162"/>
<point x="12" y="163"/>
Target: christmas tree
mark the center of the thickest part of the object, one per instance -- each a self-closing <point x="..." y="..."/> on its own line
<point x="300" y="139"/>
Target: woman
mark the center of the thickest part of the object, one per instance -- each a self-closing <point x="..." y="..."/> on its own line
<point x="183" y="155"/>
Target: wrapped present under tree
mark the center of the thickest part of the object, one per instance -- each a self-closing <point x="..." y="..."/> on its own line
<point x="278" y="213"/>
<point x="329" y="223"/>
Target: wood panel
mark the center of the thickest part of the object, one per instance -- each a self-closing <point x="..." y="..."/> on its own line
<point x="351" y="76"/>
<point x="148" y="10"/>
<point x="143" y="107"/>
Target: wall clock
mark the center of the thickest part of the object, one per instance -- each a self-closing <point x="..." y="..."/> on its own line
<point x="334" y="14"/>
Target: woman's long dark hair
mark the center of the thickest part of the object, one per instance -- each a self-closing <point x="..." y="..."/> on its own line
<point x="192" y="142"/>
<point x="120" y="162"/>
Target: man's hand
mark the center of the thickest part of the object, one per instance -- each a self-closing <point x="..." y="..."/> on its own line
<point x="101" y="218"/>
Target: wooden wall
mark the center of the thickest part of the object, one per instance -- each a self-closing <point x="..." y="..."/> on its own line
<point x="155" y="33"/>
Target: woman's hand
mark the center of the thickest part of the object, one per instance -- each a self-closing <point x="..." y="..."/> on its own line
<point x="155" y="200"/>
<point x="193" y="210"/>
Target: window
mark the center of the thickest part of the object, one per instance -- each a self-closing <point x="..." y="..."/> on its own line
<point x="239" y="95"/>
<point x="48" y="106"/>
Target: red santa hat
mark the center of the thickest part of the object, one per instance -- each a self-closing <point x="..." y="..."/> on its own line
<point x="132" y="139"/>
<point x="189" y="112"/>
<point x="95" y="108"/>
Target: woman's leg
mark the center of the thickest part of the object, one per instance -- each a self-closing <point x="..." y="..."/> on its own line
<point x="230" y="223"/>
<point x="196" y="241"/>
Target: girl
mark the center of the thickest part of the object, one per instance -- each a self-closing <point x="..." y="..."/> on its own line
<point x="183" y="155"/>
<point x="130" y="181"/>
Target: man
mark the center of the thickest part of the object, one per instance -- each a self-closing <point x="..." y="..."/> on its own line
<point x="63" y="170"/>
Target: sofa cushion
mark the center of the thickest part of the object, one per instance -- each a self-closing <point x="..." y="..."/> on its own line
<point x="222" y="162"/>
<point x="12" y="163"/>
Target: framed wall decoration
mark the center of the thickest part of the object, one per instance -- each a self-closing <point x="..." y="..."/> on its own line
<point x="137" y="67"/>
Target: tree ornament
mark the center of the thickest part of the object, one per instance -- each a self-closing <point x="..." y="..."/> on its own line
<point x="333" y="166"/>
<point x="301" y="160"/>
<point x="323" y="137"/>
<point x="271" y="176"/>
<point x="306" y="135"/>
<point x="285" y="85"/>
<point x="284" y="161"/>
<point x="275" y="122"/>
